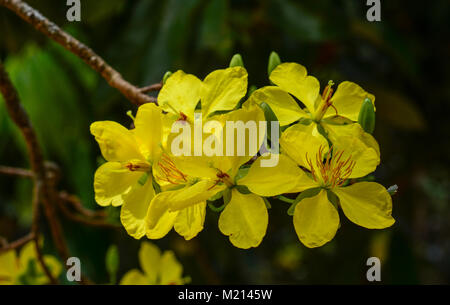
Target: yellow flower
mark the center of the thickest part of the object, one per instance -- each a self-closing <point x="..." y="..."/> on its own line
<point x="157" y="269"/>
<point x="293" y="78"/>
<point x="316" y="218"/>
<point x="335" y="113"/>
<point x="220" y="90"/>
<point x="244" y="218"/>
<point x="125" y="179"/>
<point x="25" y="269"/>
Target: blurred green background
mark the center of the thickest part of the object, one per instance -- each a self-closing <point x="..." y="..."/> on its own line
<point x="403" y="60"/>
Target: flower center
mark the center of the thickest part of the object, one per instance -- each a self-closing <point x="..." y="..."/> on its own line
<point x="138" y="166"/>
<point x="222" y="178"/>
<point x="333" y="171"/>
<point x="325" y="102"/>
<point x="170" y="173"/>
<point x="182" y="117"/>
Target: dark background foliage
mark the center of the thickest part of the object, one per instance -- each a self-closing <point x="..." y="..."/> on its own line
<point x="403" y="60"/>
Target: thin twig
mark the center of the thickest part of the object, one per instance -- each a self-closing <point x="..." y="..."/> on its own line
<point x="85" y="220"/>
<point x="20" y="118"/>
<point x="78" y="206"/>
<point x="154" y="87"/>
<point x="51" y="30"/>
<point x="35" y="232"/>
<point x="17" y="243"/>
<point x="13" y="171"/>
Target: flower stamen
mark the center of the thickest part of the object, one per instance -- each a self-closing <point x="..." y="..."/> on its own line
<point x="330" y="170"/>
<point x="138" y="166"/>
<point x="170" y="172"/>
<point x="326" y="102"/>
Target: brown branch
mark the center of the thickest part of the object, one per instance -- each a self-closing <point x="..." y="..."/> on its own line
<point x="50" y="29"/>
<point x="35" y="232"/>
<point x="46" y="195"/>
<point x="32" y="236"/>
<point x="154" y="87"/>
<point x="13" y="171"/>
<point x="85" y="220"/>
<point x="17" y="243"/>
<point x="78" y="206"/>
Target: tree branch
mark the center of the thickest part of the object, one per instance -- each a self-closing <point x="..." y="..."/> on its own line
<point x="16" y="244"/>
<point x="154" y="87"/>
<point x="87" y="217"/>
<point x="51" y="30"/>
<point x="78" y="206"/>
<point x="13" y="171"/>
<point x="46" y="194"/>
<point x="35" y="232"/>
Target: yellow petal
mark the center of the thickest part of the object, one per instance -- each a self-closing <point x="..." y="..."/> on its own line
<point x="192" y="194"/>
<point x="160" y="219"/>
<point x="135" y="207"/>
<point x="182" y="92"/>
<point x="358" y="145"/>
<point x="190" y="220"/>
<point x="149" y="130"/>
<point x="316" y="220"/>
<point x="9" y="267"/>
<point x="240" y="143"/>
<point x="53" y="265"/>
<point x="367" y="204"/>
<point x="27" y="253"/>
<point x="111" y="181"/>
<point x="244" y="220"/>
<point x="149" y="259"/>
<point x="223" y="89"/>
<point x="134" y="277"/>
<point x="285" y="177"/>
<point x="116" y="142"/>
<point x="301" y="142"/>
<point x="171" y="270"/>
<point x="197" y="166"/>
<point x="347" y="100"/>
<point x="293" y="78"/>
<point x="283" y="105"/>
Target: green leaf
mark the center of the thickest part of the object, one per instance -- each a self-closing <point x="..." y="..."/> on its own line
<point x="226" y="195"/>
<point x="243" y="189"/>
<point x="333" y="198"/>
<point x="267" y="202"/>
<point x="156" y="186"/>
<point x="143" y="179"/>
<point x="270" y="117"/>
<point x="112" y="262"/>
<point x="216" y="209"/>
<point x="366" y="116"/>
<point x="166" y="76"/>
<point x="305" y="194"/>
<point x="305" y="121"/>
<point x="216" y="196"/>
<point x="242" y="172"/>
<point x="251" y="89"/>
<point x="236" y="61"/>
<point x="274" y="61"/>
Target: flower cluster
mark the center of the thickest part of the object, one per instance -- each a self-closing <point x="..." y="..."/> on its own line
<point x="25" y="269"/>
<point x="324" y="152"/>
<point x="157" y="268"/>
